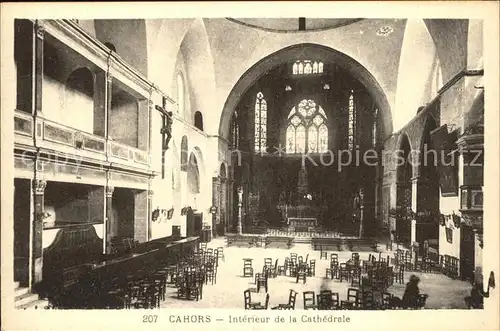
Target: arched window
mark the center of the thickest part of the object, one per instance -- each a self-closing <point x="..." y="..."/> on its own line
<point x="79" y="98"/>
<point x="307" y="67"/>
<point x="374" y="129"/>
<point x="235" y="131"/>
<point x="260" y="123"/>
<point x="198" y="120"/>
<point x="351" y="132"/>
<point x="180" y="94"/>
<point x="307" y="129"/>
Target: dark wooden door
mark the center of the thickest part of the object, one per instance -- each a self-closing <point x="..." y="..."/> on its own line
<point x="198" y="223"/>
<point x="190" y="225"/>
<point x="467" y="253"/>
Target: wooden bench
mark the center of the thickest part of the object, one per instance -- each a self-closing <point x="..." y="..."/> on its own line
<point x="288" y="241"/>
<point x="237" y="240"/>
<point x="341" y="244"/>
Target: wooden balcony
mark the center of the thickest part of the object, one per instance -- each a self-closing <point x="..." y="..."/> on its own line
<point x="51" y="136"/>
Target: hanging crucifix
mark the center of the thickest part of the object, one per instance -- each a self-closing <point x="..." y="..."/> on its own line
<point x="166" y="131"/>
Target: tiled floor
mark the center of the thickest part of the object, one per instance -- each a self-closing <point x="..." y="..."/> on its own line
<point x="228" y="292"/>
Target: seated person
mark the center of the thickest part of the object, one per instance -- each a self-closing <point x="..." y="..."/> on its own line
<point x="412" y="299"/>
<point x="476" y="298"/>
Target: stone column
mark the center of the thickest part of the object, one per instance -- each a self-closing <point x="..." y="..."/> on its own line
<point x="215" y="202"/>
<point x="240" y="211"/>
<point x="109" y="225"/>
<point x="141" y="216"/>
<point x="100" y="103"/>
<point x="38" y="65"/>
<point x="150" y="211"/>
<point x="361" y="212"/>
<point x="37" y="244"/>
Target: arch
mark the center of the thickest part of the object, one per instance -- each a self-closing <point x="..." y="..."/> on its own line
<point x="193" y="175"/>
<point x="290" y="54"/>
<point x="79" y="100"/>
<point x="198" y="120"/>
<point x="199" y="78"/>
<point x="81" y="80"/>
<point x="403" y="161"/>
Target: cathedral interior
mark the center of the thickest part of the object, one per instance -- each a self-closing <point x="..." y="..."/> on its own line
<point x="156" y="159"/>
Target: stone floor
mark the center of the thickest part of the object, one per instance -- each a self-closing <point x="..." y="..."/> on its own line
<point x="444" y="293"/>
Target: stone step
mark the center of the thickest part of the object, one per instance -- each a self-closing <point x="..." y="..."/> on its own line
<point x="18" y="291"/>
<point x="24" y="299"/>
<point x="37" y="304"/>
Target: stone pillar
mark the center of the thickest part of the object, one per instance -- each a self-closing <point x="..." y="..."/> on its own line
<point x="37" y="244"/>
<point x="216" y="202"/>
<point x="100" y="103"/>
<point x="150" y="211"/>
<point x="361" y="212"/>
<point x="143" y="125"/>
<point x="141" y="216"/>
<point x="240" y="211"/>
<point x="40" y="32"/>
<point x="413" y="231"/>
<point x="109" y="224"/>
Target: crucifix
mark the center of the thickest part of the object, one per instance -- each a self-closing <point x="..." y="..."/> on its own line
<point x="166" y="131"/>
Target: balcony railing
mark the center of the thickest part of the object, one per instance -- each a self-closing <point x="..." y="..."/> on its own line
<point x="23" y="123"/>
<point x="61" y="137"/>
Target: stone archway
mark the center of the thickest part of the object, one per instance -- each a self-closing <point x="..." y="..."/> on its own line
<point x="290" y="54"/>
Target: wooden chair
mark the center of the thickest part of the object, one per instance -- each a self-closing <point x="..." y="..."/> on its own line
<point x="386" y="300"/>
<point x="268" y="262"/>
<point x="343" y="272"/>
<point x="282" y="269"/>
<point x="262" y="280"/>
<point x="247" y="268"/>
<point x="273" y="271"/>
<point x="399" y="275"/>
<point x="352" y="301"/>
<point x="311" y="270"/>
<point x="301" y="275"/>
<point x="323" y="254"/>
<point x="291" y="302"/>
<point x="309" y="300"/>
<point x="259" y="306"/>
<point x="248" y="299"/>
<point x="220" y="253"/>
<point x="355" y="277"/>
<point x="210" y="274"/>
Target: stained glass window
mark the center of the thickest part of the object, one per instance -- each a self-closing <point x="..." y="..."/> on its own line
<point x="260" y="135"/>
<point x="307" y="67"/>
<point x="307" y="130"/>
<point x="351" y="131"/>
<point x="374" y="130"/>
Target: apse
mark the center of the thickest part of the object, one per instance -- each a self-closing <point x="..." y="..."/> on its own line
<point x="311" y="107"/>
